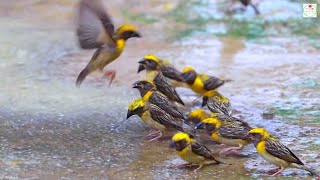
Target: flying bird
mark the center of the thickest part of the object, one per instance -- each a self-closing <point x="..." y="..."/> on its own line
<point x="95" y="30"/>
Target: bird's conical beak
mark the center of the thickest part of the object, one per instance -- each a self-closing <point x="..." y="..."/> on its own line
<point x="136" y="85"/>
<point x="172" y="144"/>
<point x="141" y="67"/>
<point x="129" y="114"/>
<point x="199" y="126"/>
<point x="136" y="34"/>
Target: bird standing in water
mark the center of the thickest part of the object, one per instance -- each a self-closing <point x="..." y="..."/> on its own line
<point x="96" y="31"/>
<point x="275" y="152"/>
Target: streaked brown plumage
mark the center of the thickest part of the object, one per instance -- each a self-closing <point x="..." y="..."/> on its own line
<point x="217" y="103"/>
<point x="227" y="132"/>
<point x="163" y="86"/>
<point x="149" y="94"/>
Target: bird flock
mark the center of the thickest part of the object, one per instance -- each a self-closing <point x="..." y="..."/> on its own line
<point x="160" y="105"/>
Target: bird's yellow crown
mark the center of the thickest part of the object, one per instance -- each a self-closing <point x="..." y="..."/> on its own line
<point x="182" y="136"/>
<point x="188" y="69"/>
<point x="151" y="57"/>
<point x="214" y="121"/>
<point x="263" y="132"/>
<point x="198" y="113"/>
<point x="136" y="104"/>
<point x="126" y="27"/>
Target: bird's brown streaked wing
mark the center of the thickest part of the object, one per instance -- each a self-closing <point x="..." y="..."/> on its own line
<point x="164" y="118"/>
<point x="212" y="83"/>
<point x="164" y="103"/>
<point x="215" y="104"/>
<point x="234" y="120"/>
<point x="203" y="151"/>
<point x="164" y="87"/>
<point x="170" y="72"/>
<point x="234" y="132"/>
<point x="95" y="27"/>
<point x="276" y="148"/>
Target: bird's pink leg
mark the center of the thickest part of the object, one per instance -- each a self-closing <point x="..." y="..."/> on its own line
<point x="278" y="172"/>
<point x="153" y="137"/>
<point x="110" y="74"/>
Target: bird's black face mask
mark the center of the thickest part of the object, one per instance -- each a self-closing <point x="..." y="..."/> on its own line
<point x="189" y="77"/>
<point x="179" y="145"/>
<point x="255" y="138"/>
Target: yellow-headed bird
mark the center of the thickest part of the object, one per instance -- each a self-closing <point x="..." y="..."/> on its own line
<point x="198" y="115"/>
<point x="191" y="151"/>
<point x="225" y="132"/>
<point x="151" y="63"/>
<point x="275" y="152"/>
<point x="155" y="117"/>
<point x="96" y="31"/>
<point x="149" y="94"/>
<point x="200" y="83"/>
<point x="217" y="103"/>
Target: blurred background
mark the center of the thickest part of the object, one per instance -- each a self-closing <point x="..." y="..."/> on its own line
<point x="51" y="129"/>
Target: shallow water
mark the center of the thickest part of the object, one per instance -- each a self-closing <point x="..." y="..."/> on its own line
<point x="51" y="129"/>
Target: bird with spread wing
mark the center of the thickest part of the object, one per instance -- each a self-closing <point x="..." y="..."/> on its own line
<point x="95" y="30"/>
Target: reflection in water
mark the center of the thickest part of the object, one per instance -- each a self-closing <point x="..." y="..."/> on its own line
<point x="230" y="48"/>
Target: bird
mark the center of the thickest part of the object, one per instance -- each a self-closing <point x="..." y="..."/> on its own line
<point x="155" y="117"/>
<point x="226" y="132"/>
<point x="95" y="30"/>
<point x="275" y="152"/>
<point x="192" y="151"/>
<point x="152" y="63"/>
<point x="249" y="3"/>
<point x="217" y="103"/>
<point x="200" y="83"/>
<point x="162" y="84"/>
<point x="198" y="115"/>
<point x="150" y="94"/>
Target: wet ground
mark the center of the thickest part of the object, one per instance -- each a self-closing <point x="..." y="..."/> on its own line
<point x="50" y="129"/>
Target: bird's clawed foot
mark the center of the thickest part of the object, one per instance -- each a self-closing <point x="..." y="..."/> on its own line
<point x="154" y="135"/>
<point x="110" y="74"/>
<point x="275" y="171"/>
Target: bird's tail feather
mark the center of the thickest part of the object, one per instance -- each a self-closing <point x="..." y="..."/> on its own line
<point x="83" y="74"/>
<point x="312" y="171"/>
